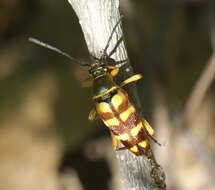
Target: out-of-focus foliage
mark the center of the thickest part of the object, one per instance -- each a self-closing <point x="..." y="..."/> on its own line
<point x="43" y="109"/>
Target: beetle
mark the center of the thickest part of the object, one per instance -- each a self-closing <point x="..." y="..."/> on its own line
<point x="115" y="109"/>
<point x="112" y="102"/>
<point x="113" y="106"/>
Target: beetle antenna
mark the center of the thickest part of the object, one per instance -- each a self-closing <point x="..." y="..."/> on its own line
<point x="111" y="35"/>
<point x="45" y="45"/>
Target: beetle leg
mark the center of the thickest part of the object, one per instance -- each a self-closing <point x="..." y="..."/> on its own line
<point x="131" y="79"/>
<point x="115" y="143"/>
<point x="114" y="70"/>
<point x="93" y="114"/>
<point x="148" y="127"/>
<point x="150" y="131"/>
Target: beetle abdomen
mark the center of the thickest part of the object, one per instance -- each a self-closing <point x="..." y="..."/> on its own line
<point x="120" y="116"/>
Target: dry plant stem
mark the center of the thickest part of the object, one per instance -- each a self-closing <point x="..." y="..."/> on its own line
<point x="97" y="19"/>
<point x="200" y="89"/>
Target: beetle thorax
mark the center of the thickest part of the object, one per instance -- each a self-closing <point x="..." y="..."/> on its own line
<point x="103" y="85"/>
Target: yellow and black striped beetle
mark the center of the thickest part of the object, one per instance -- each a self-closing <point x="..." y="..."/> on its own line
<point x="114" y="107"/>
<point x="112" y="103"/>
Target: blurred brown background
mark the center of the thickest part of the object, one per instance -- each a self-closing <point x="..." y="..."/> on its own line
<point x="46" y="140"/>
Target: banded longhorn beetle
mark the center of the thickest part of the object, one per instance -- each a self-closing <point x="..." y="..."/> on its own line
<point x="112" y="103"/>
